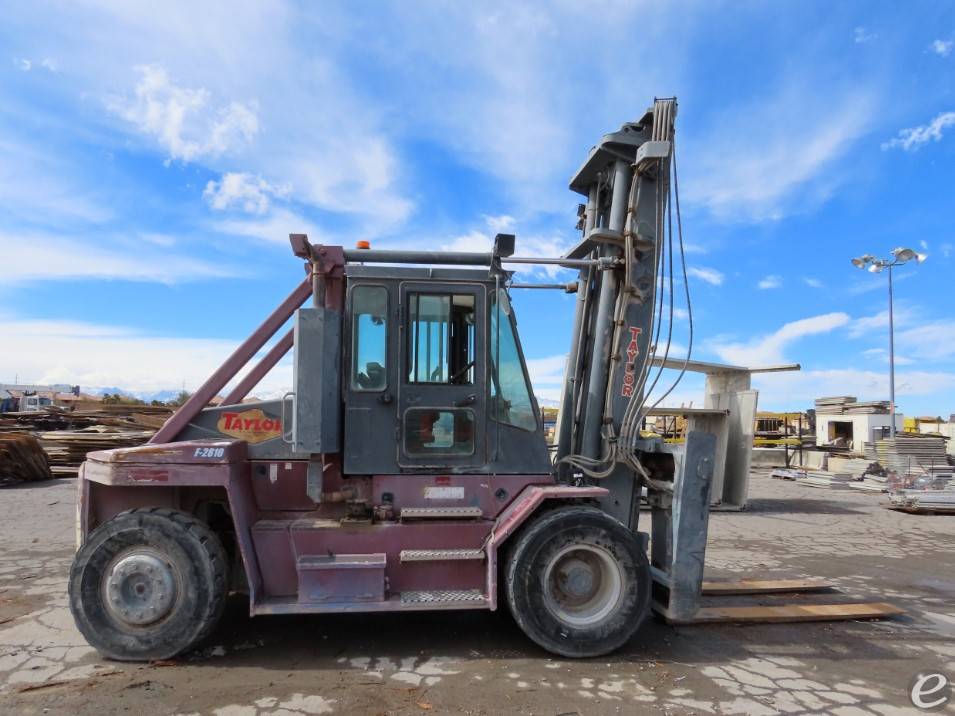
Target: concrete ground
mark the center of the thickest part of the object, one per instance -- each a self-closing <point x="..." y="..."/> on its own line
<point x="480" y="663"/>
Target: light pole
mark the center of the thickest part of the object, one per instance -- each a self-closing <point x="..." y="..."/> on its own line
<point x="870" y="263"/>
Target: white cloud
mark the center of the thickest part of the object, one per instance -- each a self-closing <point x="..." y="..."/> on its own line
<point x="181" y="119"/>
<point x="482" y="240"/>
<point x="500" y="224"/>
<point x="912" y="139"/>
<point x="931" y="341"/>
<point x="947" y="249"/>
<point x="274" y="226"/>
<point x="769" y="349"/>
<point x="38" y="186"/>
<point x="102" y="355"/>
<point x="44" y="257"/>
<point x="812" y="282"/>
<point x="861" y="36"/>
<point x="943" y="48"/>
<point x="924" y="244"/>
<point x="709" y="275"/>
<point x="25" y="64"/>
<point x="547" y="375"/>
<point x="883" y="355"/>
<point x="777" y="166"/>
<point x="247" y="192"/>
<point x="878" y="322"/>
<point x="771" y="281"/>
<point x="794" y="390"/>
<point x="928" y="340"/>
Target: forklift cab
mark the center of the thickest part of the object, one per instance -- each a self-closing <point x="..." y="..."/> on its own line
<point x="434" y="378"/>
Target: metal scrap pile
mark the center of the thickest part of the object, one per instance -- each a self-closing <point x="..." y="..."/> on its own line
<point x="64" y="437"/>
<point x="22" y="459"/>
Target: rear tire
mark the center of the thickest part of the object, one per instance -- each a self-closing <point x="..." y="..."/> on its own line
<point x="148" y="584"/>
<point x="578" y="582"/>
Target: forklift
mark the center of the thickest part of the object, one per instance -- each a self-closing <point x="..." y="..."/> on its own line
<point x="407" y="469"/>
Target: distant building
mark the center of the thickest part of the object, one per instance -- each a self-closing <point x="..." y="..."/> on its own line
<point x="32" y="398"/>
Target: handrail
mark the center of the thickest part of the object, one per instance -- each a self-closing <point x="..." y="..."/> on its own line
<point x="233" y="364"/>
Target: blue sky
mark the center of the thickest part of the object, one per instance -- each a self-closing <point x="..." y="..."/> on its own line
<point x="154" y="158"/>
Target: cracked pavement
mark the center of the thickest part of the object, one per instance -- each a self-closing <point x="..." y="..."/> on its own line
<point x="480" y="663"/>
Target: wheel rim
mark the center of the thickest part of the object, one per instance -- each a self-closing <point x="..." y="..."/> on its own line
<point x="140" y="588"/>
<point x="583" y="584"/>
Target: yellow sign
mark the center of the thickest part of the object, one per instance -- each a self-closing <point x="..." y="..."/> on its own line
<point x="253" y="426"/>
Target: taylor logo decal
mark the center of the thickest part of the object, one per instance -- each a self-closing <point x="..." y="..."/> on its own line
<point x="632" y="352"/>
<point x="253" y="426"/>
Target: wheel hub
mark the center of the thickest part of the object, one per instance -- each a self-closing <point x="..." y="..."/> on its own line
<point x="577" y="580"/>
<point x="583" y="584"/>
<point x="140" y="589"/>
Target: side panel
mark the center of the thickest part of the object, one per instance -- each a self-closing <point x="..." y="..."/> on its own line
<point x="316" y="422"/>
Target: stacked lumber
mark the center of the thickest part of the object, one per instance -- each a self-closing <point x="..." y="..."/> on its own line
<point x="67" y="435"/>
<point x="22" y="459"/>
<point x="67" y="448"/>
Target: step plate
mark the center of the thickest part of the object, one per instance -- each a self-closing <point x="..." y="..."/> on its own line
<point x="439" y="555"/>
<point x="432" y="513"/>
<point x="444" y="596"/>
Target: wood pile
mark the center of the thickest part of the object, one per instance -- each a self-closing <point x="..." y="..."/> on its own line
<point x="67" y="448"/>
<point x="22" y="459"/>
<point x="66" y="436"/>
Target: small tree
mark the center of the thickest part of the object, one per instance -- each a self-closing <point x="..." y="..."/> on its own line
<point x="180" y="399"/>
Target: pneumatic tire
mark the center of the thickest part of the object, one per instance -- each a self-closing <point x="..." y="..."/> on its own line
<point x="148" y="584"/>
<point x="577" y="582"/>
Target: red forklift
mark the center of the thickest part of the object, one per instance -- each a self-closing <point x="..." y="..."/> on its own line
<point x="407" y="469"/>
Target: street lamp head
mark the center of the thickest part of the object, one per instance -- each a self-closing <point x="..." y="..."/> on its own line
<point x="903" y="255"/>
<point x="876" y="267"/>
<point x="862" y="261"/>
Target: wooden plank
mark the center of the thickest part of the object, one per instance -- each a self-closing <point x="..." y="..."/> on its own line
<point x="764" y="586"/>
<point x="798" y="613"/>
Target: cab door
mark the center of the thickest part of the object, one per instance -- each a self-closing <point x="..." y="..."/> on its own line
<point x="442" y="383"/>
<point x="369" y="384"/>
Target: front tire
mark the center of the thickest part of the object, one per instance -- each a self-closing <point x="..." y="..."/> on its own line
<point x="578" y="582"/>
<point x="148" y="584"/>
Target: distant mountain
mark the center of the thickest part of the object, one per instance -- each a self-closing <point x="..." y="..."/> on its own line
<point x="146" y="395"/>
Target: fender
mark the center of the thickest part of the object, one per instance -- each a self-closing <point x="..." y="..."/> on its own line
<point x="167" y="466"/>
<point x="518" y="512"/>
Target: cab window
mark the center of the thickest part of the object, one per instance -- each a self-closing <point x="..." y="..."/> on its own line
<point x="369" y="349"/>
<point x="510" y="393"/>
<point x="441" y="338"/>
